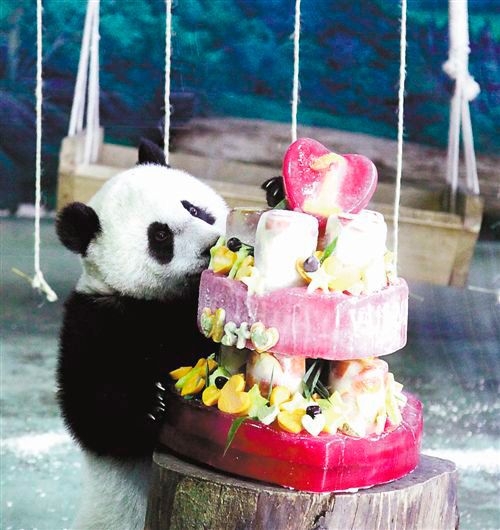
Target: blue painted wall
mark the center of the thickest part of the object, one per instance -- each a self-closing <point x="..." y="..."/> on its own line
<point x="236" y="57"/>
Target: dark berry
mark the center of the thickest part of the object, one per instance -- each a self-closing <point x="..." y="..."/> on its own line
<point x="311" y="264"/>
<point x="233" y="244"/>
<point x="313" y="410"/>
<point x="220" y="381"/>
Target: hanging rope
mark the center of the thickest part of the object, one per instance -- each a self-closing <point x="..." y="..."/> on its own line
<point x="295" y="88"/>
<point x="38" y="281"/>
<point x="87" y="84"/>
<point x="466" y="89"/>
<point x="168" y="67"/>
<point x="401" y="98"/>
<point x="78" y="107"/>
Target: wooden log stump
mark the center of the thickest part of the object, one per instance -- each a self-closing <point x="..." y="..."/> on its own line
<point x="184" y="496"/>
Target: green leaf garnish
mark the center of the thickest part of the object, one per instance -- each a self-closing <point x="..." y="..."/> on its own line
<point x="305" y="387"/>
<point x="282" y="205"/>
<point x="237" y="422"/>
<point x="315" y="380"/>
<point x="270" y="385"/>
<point x="328" y="250"/>
<point x="207" y="373"/>
<point x="322" y="390"/>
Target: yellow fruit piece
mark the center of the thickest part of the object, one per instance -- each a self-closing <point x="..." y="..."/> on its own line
<point x="279" y="395"/>
<point x="210" y="395"/>
<point x="193" y="386"/>
<point x="325" y="161"/>
<point x="342" y="277"/>
<point x="245" y="268"/>
<point x="236" y="383"/>
<point x="202" y="363"/>
<point x="218" y="329"/>
<point x="180" y="372"/>
<point x="233" y="402"/>
<point x="291" y="421"/>
<point x="223" y="260"/>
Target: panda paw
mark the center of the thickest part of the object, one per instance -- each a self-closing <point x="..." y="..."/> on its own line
<point x="158" y="410"/>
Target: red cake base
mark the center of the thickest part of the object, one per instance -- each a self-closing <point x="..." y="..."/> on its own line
<point x="299" y="461"/>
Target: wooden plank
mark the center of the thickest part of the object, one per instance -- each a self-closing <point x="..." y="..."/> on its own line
<point x="263" y="142"/>
<point x="184" y="496"/>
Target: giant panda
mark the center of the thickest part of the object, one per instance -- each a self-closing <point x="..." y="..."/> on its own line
<point x="144" y="240"/>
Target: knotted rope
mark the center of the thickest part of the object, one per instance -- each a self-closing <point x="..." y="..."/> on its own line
<point x="466" y="89"/>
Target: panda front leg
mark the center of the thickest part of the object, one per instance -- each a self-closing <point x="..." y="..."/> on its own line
<point x="109" y="410"/>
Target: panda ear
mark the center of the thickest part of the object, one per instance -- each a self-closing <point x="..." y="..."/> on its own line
<point x="76" y="225"/>
<point x="150" y="153"/>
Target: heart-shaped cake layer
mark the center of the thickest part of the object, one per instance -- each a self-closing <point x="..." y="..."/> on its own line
<point x="322" y="183"/>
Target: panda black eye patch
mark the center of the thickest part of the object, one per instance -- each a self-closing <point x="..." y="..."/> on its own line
<point x="200" y="213"/>
<point x="161" y="242"/>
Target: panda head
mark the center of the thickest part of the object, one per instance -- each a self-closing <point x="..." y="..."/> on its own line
<point x="146" y="233"/>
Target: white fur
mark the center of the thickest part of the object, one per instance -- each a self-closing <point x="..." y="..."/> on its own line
<point x="118" y="259"/>
<point x="114" y="494"/>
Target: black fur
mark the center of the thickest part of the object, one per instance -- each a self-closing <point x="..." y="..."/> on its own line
<point x="76" y="225"/>
<point x="150" y="153"/>
<point x="113" y="352"/>
<point x="161" y="242"/>
<point x="198" y="212"/>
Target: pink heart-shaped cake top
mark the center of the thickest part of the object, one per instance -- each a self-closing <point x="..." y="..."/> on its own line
<point x="322" y="183"/>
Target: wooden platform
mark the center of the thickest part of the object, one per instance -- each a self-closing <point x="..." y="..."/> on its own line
<point x="184" y="496"/>
<point x="436" y="246"/>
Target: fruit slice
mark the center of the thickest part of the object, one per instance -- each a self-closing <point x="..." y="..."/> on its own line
<point x="328" y="462"/>
<point x="322" y="183"/>
<point x="333" y="326"/>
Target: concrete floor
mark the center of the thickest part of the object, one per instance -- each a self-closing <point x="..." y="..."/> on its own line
<point x="451" y="362"/>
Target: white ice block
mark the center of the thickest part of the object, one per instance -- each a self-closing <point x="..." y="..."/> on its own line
<point x="282" y="238"/>
<point x="242" y="223"/>
<point x="361" y="238"/>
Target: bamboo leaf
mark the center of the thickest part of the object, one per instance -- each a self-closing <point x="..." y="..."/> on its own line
<point x="207" y="372"/>
<point x="305" y="386"/>
<point x="316" y="379"/>
<point x="322" y="390"/>
<point x="270" y="385"/>
<point x="232" y="432"/>
<point x="328" y="250"/>
<point x="282" y="205"/>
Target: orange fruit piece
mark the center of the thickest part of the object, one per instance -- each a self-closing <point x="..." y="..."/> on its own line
<point x="223" y="260"/>
<point x="180" y="372"/>
<point x="291" y="421"/>
<point x="210" y="395"/>
<point x="236" y="383"/>
<point x="232" y="399"/>
<point x="202" y="363"/>
<point x="193" y="386"/>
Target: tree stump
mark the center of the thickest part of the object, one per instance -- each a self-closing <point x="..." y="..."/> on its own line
<point x="184" y="496"/>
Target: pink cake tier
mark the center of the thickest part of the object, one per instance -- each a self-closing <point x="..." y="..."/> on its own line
<point x="328" y="462"/>
<point x="334" y="326"/>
